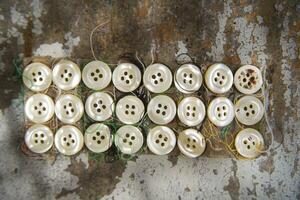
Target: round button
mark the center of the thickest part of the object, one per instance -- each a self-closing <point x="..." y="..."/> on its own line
<point x="129" y="139"/>
<point x="37" y="77"/>
<point x="69" y="108"/>
<point x="39" y="138"/>
<point x="39" y="108"/>
<point x="249" y="142"/>
<point x="191" y="143"/>
<point x="99" y="106"/>
<point x="220" y="111"/>
<point x="161" y="109"/>
<point x="130" y="109"/>
<point x="66" y="75"/>
<point x="97" y="138"/>
<point x="249" y="110"/>
<point x="248" y="79"/>
<point x="219" y="78"/>
<point x="191" y="111"/>
<point x="127" y="77"/>
<point x="68" y="140"/>
<point x="157" y="78"/>
<point x="188" y="78"/>
<point x="161" y="140"/>
<point x="96" y="75"/>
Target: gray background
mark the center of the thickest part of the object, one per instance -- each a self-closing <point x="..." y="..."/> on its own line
<point x="263" y="33"/>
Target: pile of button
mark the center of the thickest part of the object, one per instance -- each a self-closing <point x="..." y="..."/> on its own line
<point x="101" y="106"/>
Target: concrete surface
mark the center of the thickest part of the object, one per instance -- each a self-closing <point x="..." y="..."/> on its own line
<point x="263" y="33"/>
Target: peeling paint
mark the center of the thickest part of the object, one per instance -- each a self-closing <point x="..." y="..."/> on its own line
<point x="18" y="18"/>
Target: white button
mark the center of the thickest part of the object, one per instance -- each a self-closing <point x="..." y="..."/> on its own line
<point x="68" y="140"/>
<point x="248" y="79"/>
<point x="219" y="78"/>
<point x="188" y="78"/>
<point x="69" y="108"/>
<point x="39" y="108"/>
<point x="96" y="75"/>
<point x="66" y="75"/>
<point x="157" y="78"/>
<point x="191" y="111"/>
<point x="97" y="138"/>
<point x="161" y="140"/>
<point x="37" y="77"/>
<point x="191" y="143"/>
<point x="161" y="109"/>
<point x="130" y="109"/>
<point x="39" y="138"/>
<point x="126" y="77"/>
<point x="99" y="106"/>
<point x="220" y="111"/>
<point x="129" y="139"/>
<point x="249" y="110"/>
<point x="249" y="143"/>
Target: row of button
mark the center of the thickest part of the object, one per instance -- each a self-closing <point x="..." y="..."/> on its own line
<point x="127" y="77"/>
<point x="129" y="139"/>
<point x="99" y="106"/>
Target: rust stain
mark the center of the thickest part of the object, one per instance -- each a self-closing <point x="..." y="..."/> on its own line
<point x="143" y="10"/>
<point x="267" y="165"/>
<point x="233" y="187"/>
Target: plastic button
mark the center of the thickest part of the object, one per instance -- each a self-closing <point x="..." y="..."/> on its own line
<point x="37" y="77"/>
<point x="191" y="111"/>
<point x="220" y="111"/>
<point x="69" y="108"/>
<point x="249" y="110"/>
<point x="68" y="140"/>
<point x="127" y="77"/>
<point x="161" y="109"/>
<point x="219" y="78"/>
<point x="39" y="108"/>
<point x="129" y="139"/>
<point x="161" y="140"/>
<point x="191" y="143"/>
<point x="99" y="106"/>
<point x="39" y="138"/>
<point x="248" y="79"/>
<point x="97" y="138"/>
<point x="249" y="142"/>
<point x="130" y="109"/>
<point x="96" y="75"/>
<point x="188" y="78"/>
<point x="157" y="78"/>
<point x="66" y="75"/>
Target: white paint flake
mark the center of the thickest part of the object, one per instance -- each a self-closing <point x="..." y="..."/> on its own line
<point x="37" y="11"/>
<point x="18" y="18"/>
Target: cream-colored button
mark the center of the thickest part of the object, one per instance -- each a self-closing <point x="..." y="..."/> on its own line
<point x="99" y="106"/>
<point x="66" y="75"/>
<point x="220" y="111"/>
<point x="191" y="143"/>
<point x="191" y="111"/>
<point x="39" y="108"/>
<point x="129" y="139"/>
<point x="249" y="110"/>
<point x="161" y="140"/>
<point x="130" y="109"/>
<point x="69" y="108"/>
<point x="248" y="79"/>
<point x="157" y="78"/>
<point x="68" y="140"/>
<point x="96" y="75"/>
<point x="37" y="77"/>
<point x="219" y="78"/>
<point x="161" y="109"/>
<point x="39" y="138"/>
<point x="127" y="77"/>
<point x="188" y="78"/>
<point x="97" y="138"/>
<point x="249" y="143"/>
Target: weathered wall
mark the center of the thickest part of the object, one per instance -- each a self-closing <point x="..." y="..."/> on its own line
<point x="263" y="33"/>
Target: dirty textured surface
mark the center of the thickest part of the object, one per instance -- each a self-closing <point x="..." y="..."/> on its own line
<point x="263" y="33"/>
